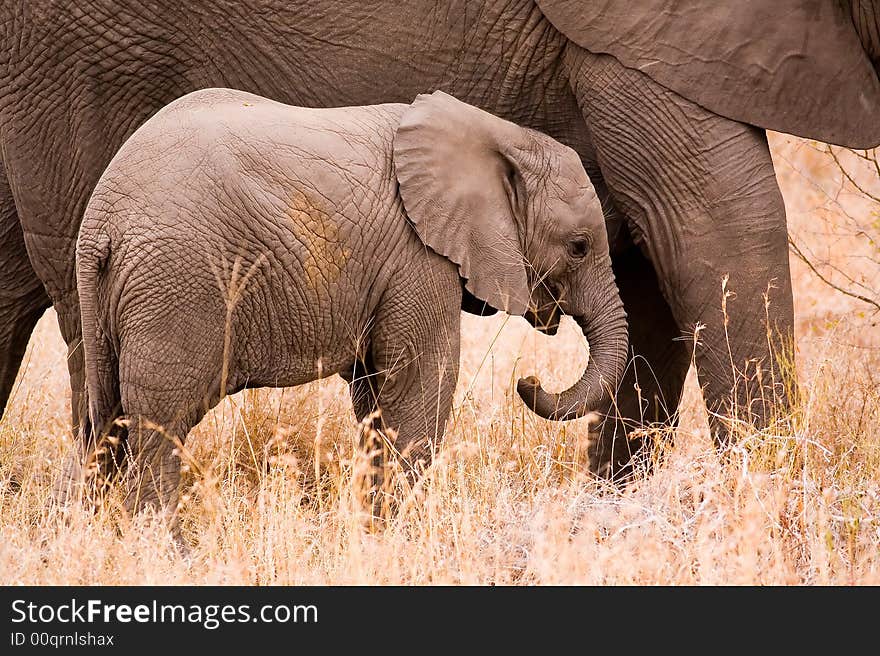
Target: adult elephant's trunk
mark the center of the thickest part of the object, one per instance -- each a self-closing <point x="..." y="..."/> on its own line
<point x="866" y="18"/>
<point x="605" y="330"/>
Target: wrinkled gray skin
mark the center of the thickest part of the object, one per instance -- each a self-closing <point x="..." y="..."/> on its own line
<point x="235" y="241"/>
<point x="665" y="105"/>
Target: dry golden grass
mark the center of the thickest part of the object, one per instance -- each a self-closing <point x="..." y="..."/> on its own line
<point x="509" y="499"/>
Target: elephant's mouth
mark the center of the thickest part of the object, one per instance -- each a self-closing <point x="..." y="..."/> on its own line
<point x="545" y="312"/>
<point x="545" y="319"/>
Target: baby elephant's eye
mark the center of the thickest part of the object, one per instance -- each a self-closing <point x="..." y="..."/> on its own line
<point x="578" y="248"/>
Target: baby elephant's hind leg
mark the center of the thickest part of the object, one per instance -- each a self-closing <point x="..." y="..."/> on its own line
<point x="153" y="475"/>
<point x="160" y="414"/>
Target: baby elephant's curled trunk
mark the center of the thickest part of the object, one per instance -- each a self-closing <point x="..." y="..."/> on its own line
<point x="606" y="332"/>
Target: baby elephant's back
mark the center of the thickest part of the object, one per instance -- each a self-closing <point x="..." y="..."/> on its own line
<point x="221" y="152"/>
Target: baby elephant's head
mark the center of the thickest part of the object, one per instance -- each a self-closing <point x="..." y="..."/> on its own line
<point x="515" y="210"/>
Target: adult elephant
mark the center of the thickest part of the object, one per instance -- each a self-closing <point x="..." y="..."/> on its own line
<point x="665" y="103"/>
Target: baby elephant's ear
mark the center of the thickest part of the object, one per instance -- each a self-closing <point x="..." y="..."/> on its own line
<point x="460" y="188"/>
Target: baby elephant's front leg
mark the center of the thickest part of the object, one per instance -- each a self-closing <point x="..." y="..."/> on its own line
<point x="414" y="357"/>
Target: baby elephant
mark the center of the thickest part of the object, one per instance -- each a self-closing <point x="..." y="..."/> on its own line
<point x="235" y="241"/>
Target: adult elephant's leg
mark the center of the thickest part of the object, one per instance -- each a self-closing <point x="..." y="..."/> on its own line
<point x="363" y="381"/>
<point x="22" y="296"/>
<point x="702" y="201"/>
<point x="50" y="209"/>
<point x="650" y="391"/>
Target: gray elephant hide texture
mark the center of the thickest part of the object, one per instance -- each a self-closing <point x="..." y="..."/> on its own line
<point x="775" y="64"/>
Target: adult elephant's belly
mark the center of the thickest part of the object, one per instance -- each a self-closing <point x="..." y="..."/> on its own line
<point x="502" y="56"/>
